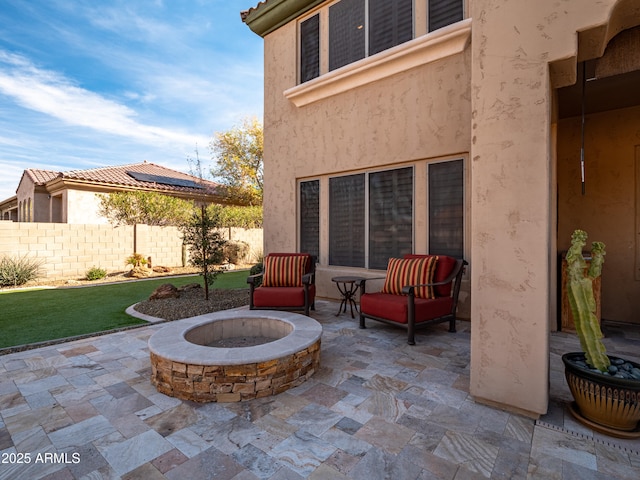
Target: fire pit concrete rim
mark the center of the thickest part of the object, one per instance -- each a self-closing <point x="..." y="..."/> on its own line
<point x="171" y="344"/>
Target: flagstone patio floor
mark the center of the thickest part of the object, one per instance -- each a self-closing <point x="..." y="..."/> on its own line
<point x="377" y="409"/>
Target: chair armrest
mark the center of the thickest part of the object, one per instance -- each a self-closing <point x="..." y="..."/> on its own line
<point x="363" y="281"/>
<point x="252" y="278"/>
<point x="308" y="278"/>
<point x="408" y="289"/>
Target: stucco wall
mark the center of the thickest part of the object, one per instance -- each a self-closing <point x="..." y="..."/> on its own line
<point x="82" y="207"/>
<point x="491" y="104"/>
<point x="606" y="211"/>
<point x="415" y="116"/>
<point x="24" y="194"/>
<point x="513" y="183"/>
<point x="69" y="250"/>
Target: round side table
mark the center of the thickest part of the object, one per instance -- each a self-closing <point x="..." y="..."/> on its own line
<point x="348" y="287"/>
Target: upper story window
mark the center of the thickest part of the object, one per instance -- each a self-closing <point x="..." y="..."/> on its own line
<point x="444" y="12"/>
<point x="349" y="30"/>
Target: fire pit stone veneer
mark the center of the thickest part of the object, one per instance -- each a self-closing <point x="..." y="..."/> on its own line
<point x="183" y="366"/>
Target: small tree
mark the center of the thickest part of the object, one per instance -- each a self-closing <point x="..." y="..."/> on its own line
<point x="201" y="234"/>
<point x="239" y="161"/>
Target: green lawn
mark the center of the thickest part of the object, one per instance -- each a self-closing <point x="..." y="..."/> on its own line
<point x="29" y="316"/>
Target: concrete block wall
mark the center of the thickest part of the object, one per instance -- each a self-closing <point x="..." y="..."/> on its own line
<point x="162" y="244"/>
<point x="69" y="250"/>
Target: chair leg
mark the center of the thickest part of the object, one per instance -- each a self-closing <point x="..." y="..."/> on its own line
<point x="362" y="325"/>
<point x="452" y="325"/>
<point x="411" y="335"/>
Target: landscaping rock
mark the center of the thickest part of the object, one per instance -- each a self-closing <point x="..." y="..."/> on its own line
<point x="166" y="290"/>
<point x="161" y="269"/>
<point x="139" y="272"/>
<point x="189" y="286"/>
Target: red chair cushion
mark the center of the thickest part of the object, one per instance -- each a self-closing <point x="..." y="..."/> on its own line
<point x="282" y="296"/>
<point x="284" y="271"/>
<point x="444" y="267"/>
<point x="395" y="307"/>
<point x="402" y="272"/>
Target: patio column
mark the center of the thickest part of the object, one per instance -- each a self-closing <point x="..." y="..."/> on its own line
<point x="513" y="224"/>
<point x="512" y="220"/>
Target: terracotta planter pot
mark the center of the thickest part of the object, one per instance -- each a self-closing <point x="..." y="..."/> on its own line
<point x="613" y="403"/>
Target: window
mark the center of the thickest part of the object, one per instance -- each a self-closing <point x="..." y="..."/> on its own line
<point x="390" y="24"/>
<point x="390" y="215"/>
<point x="388" y="208"/>
<point x="346" y="220"/>
<point x="346" y="33"/>
<point x="310" y="217"/>
<point x="310" y="48"/>
<point x="446" y="208"/>
<point x="360" y="28"/>
<point x="444" y="12"/>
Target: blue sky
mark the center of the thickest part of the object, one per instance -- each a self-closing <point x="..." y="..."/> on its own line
<point x="90" y="83"/>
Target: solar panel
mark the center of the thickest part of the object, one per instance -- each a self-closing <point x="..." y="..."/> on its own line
<point x="175" y="182"/>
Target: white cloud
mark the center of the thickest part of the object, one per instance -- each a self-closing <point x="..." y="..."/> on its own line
<point x="50" y="93"/>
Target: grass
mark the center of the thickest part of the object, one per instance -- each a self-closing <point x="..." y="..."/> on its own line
<point x="30" y="316"/>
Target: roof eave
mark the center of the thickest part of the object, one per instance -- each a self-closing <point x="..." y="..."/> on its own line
<point x="270" y="15"/>
<point x="58" y="184"/>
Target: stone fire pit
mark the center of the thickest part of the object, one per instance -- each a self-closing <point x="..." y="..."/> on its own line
<point x="186" y="367"/>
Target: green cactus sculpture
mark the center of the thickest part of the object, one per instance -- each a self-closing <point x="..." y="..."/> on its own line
<point x="581" y="298"/>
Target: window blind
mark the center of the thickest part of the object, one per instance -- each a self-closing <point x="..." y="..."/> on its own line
<point x="444" y="12"/>
<point x="346" y="220"/>
<point x="390" y="215"/>
<point x="310" y="49"/>
<point x="310" y="217"/>
<point x="446" y="208"/>
<point x="346" y="32"/>
<point x="390" y="24"/>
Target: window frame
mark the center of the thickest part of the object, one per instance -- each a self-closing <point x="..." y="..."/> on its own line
<point x="300" y="216"/>
<point x="430" y="214"/>
<point x="366" y="240"/>
<point x="420" y="27"/>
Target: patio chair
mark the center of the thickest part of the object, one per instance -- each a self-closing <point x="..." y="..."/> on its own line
<point x="288" y="283"/>
<point x="419" y="290"/>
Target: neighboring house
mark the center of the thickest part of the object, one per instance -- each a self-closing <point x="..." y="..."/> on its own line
<point x="450" y="126"/>
<point x="9" y="209"/>
<point x="73" y="197"/>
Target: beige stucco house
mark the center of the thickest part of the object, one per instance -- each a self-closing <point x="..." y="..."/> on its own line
<point x="73" y="197"/>
<point x="484" y="129"/>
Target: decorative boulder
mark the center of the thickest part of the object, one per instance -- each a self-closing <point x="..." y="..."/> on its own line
<point x="189" y="286"/>
<point x="161" y="269"/>
<point x="138" y="272"/>
<point x="166" y="290"/>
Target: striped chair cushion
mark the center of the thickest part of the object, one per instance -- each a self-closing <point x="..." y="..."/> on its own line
<point x="414" y="271"/>
<point x="284" y="271"/>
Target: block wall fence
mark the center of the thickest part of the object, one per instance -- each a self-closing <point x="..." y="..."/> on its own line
<point x="69" y="250"/>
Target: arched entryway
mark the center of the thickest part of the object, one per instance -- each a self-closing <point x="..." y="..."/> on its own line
<point x="598" y="192"/>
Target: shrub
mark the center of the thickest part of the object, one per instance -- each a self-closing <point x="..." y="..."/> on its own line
<point x="16" y="271"/>
<point x="96" y="273"/>
<point x="238" y="217"/>
<point x="257" y="268"/>
<point x="136" y="260"/>
<point x="236" y="251"/>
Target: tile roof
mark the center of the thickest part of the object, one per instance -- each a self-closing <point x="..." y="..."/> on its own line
<point x="146" y="176"/>
<point x="40" y="177"/>
<point x="166" y="179"/>
<point x="245" y="13"/>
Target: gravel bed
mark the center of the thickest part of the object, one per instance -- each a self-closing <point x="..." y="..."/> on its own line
<point x="192" y="303"/>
